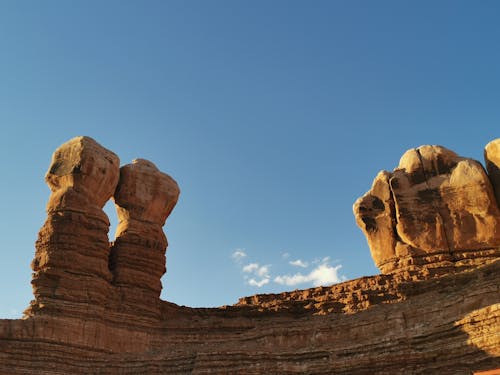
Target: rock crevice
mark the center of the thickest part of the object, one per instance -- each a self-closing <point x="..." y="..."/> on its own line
<point x="433" y="196"/>
<point x="444" y="208"/>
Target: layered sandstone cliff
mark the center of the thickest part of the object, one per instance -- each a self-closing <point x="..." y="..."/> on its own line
<point x="432" y="228"/>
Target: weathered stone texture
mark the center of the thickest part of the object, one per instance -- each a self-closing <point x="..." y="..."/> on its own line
<point x="70" y="267"/>
<point x="434" y="209"/>
<point x="76" y="273"/>
<point x="492" y="159"/>
<point x="432" y="229"/>
<point x="446" y="325"/>
<point x="376" y="215"/>
<point x="144" y="198"/>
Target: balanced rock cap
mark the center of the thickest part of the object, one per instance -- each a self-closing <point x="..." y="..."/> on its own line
<point x="144" y="193"/>
<point x="85" y="166"/>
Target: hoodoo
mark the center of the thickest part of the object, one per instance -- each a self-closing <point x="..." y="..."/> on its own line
<point x="433" y="229"/>
<point x="436" y="211"/>
<point x="144" y="198"/>
<point x="70" y="268"/>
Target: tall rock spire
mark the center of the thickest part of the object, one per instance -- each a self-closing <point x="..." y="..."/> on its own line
<point x="70" y="268"/>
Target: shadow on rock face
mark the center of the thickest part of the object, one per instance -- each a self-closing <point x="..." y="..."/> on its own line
<point x="432" y="229"/>
<point x="435" y="209"/>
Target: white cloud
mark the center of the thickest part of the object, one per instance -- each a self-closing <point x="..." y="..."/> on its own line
<point x="254" y="274"/>
<point x="299" y="263"/>
<point x="257" y="275"/>
<point x="263" y="271"/>
<point x="238" y="255"/>
<point x="324" y="274"/>
<point x="258" y="284"/>
<point x="298" y="278"/>
<point x="250" y="267"/>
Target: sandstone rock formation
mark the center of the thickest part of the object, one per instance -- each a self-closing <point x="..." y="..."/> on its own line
<point x="492" y="159"/>
<point x="431" y="226"/>
<point x="435" y="209"/>
<point x="144" y="198"/>
<point x="70" y="267"/>
<point x="76" y="272"/>
<point x="447" y="325"/>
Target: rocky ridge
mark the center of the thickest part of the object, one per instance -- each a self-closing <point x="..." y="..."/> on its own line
<point x="431" y="226"/>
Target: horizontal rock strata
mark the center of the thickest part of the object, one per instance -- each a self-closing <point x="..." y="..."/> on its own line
<point x="71" y="273"/>
<point x="144" y="198"/>
<point x="432" y="227"/>
<point x="446" y="325"/>
<point x="76" y="271"/>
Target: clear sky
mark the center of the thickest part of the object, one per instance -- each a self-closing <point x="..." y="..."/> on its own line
<point x="273" y="117"/>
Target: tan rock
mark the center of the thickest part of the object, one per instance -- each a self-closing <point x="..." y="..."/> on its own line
<point x="144" y="198"/>
<point x="394" y="324"/>
<point x="87" y="169"/>
<point x="444" y="202"/>
<point x="415" y="321"/>
<point x="71" y="260"/>
<point x="145" y="193"/>
<point x="435" y="208"/>
<point x="492" y="159"/>
<point x="375" y="215"/>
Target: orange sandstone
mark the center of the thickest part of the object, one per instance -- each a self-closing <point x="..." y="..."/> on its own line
<point x="431" y="226"/>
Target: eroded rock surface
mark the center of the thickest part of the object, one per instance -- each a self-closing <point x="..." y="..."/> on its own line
<point x="76" y="273"/>
<point x="492" y="159"/>
<point x="435" y="209"/>
<point x="431" y="226"/>
<point x="384" y="324"/>
<point x="70" y="268"/>
<point x="144" y="199"/>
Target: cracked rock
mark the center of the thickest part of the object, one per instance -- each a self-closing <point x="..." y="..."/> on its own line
<point x="435" y="207"/>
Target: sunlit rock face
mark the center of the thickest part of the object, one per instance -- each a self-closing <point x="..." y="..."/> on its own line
<point x="70" y="268"/>
<point x="144" y="199"/>
<point x="376" y="215"/>
<point x="436" y="310"/>
<point x="492" y="159"/>
<point x="75" y="270"/>
<point x="436" y="209"/>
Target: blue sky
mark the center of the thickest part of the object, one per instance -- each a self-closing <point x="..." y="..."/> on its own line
<point x="273" y="117"/>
